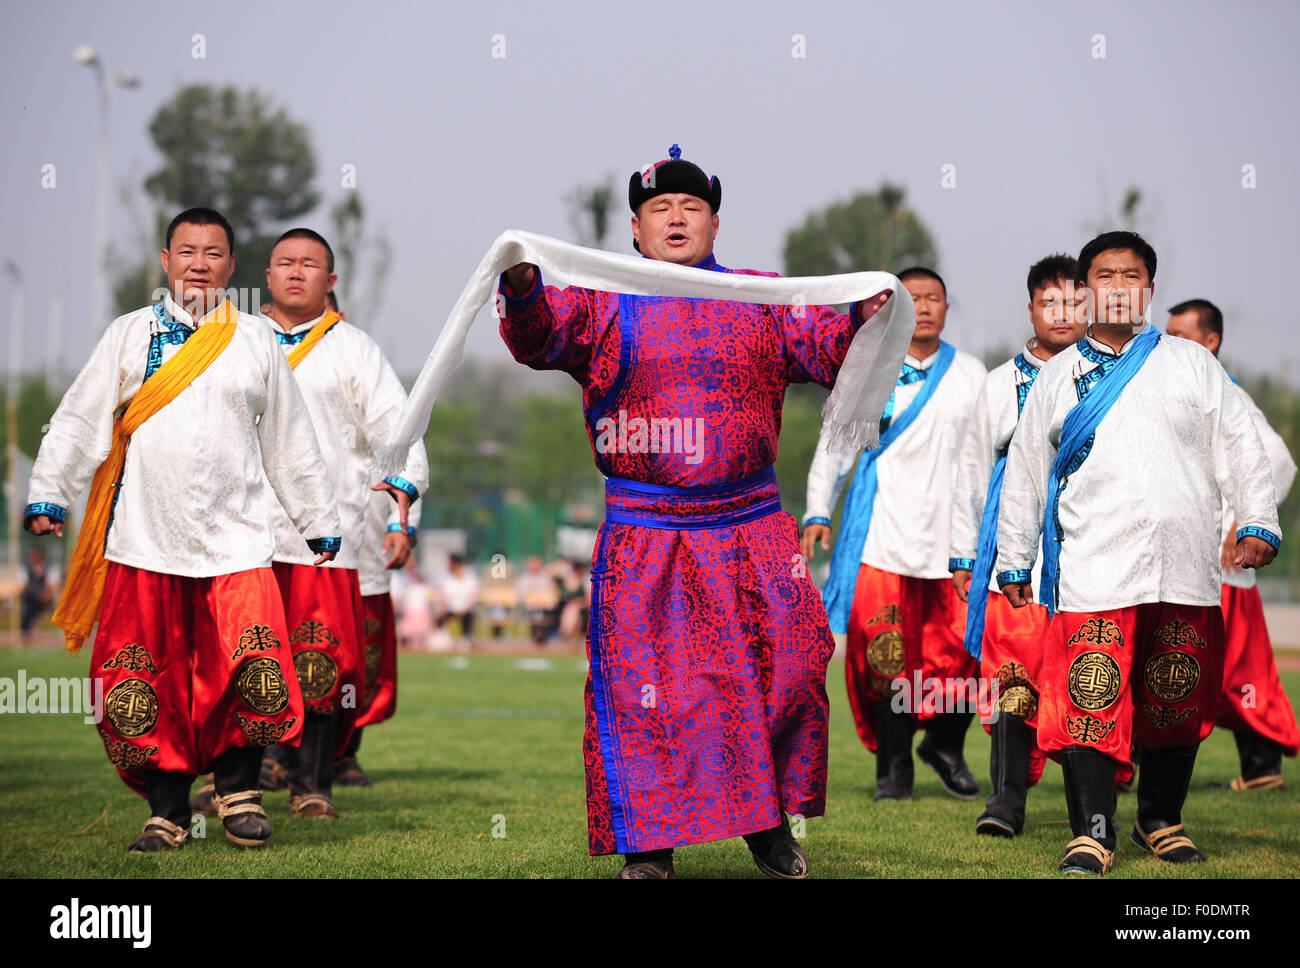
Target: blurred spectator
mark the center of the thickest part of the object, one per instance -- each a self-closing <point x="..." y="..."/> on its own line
<point x="414" y="601"/>
<point x="539" y="594"/>
<point x="575" y="604"/>
<point x="37" y="591"/>
<point x="460" y="595"/>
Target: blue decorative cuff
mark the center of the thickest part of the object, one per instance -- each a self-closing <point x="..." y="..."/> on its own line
<point x="411" y="531"/>
<point x="321" y="545"/>
<point x="521" y="302"/>
<point x="1016" y="576"/>
<point x="403" y="484"/>
<point x="818" y="520"/>
<point x="57" y="513"/>
<point x="1261" y="533"/>
<point x="961" y="564"/>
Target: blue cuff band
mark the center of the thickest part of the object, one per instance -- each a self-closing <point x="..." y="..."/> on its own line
<point x="1261" y="533"/>
<point x="403" y="484"/>
<point x="411" y="531"/>
<point x="57" y="513"/>
<point x="394" y="527"/>
<point x="818" y="520"/>
<point x="961" y="564"/>
<point x="321" y="545"/>
<point x="1016" y="576"/>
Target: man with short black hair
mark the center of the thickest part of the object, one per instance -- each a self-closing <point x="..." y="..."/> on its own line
<point x="1128" y="445"/>
<point x="889" y="585"/>
<point x="1008" y="642"/>
<point x="354" y="398"/>
<point x="1255" y="706"/>
<point x="174" y="557"/>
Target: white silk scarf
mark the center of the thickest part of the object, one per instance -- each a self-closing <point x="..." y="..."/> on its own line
<point x="851" y="417"/>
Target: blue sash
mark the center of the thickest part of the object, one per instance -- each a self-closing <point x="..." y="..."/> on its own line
<point x="1076" y="442"/>
<point x="856" y="520"/>
<point x="987" y="552"/>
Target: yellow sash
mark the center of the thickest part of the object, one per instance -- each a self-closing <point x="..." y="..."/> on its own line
<point x="83" y="593"/>
<point x="299" y="352"/>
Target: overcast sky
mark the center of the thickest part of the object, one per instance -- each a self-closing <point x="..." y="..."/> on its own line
<point x="451" y="145"/>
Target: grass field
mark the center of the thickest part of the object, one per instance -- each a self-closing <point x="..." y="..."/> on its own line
<point x="492" y="743"/>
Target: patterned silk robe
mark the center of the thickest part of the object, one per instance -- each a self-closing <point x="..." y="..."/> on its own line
<point x="706" y="707"/>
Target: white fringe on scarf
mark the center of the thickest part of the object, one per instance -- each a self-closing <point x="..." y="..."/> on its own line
<point x="851" y="417"/>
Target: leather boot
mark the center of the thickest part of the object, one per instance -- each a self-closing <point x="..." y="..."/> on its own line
<point x="1004" y="813"/>
<point x="894" y="769"/>
<point x="777" y="853"/>
<point x="311" y="767"/>
<point x="169" y="803"/>
<point x="941" y="751"/>
<point x="238" y="799"/>
<point x="275" y="772"/>
<point x="1261" y="762"/>
<point x="347" y="771"/>
<point x="1161" y="791"/>
<point x="1090" y="798"/>
<point x="652" y="865"/>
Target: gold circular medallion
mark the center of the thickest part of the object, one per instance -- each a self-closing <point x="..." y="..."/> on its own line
<point x="1094" y="680"/>
<point x="317" y="673"/>
<point x="1171" y="676"/>
<point x="261" y="684"/>
<point x="132" y="707"/>
<point x="885" y="654"/>
<point x="1018" y="701"/>
<point x="374" y="655"/>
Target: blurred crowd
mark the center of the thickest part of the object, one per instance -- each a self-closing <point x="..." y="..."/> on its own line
<point x="547" y="604"/>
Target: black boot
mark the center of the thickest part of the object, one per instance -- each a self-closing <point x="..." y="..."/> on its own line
<point x="1004" y="813"/>
<point x="275" y="771"/>
<point x="347" y="771"/>
<point x="777" y="853"/>
<point x="311" y="767"/>
<point x="169" y="804"/>
<point x="894" y="770"/>
<point x="653" y="865"/>
<point x="238" y="797"/>
<point x="941" y="751"/>
<point x="1090" y="797"/>
<point x="1161" y="792"/>
<point x="1261" y="762"/>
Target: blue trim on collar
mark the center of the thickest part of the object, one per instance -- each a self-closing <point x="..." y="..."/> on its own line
<point x="55" y="512"/>
<point x="290" y="339"/>
<point x="1262" y="533"/>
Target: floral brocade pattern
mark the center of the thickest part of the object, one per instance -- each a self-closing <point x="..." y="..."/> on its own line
<point x="723" y="366"/>
<point x="712" y="652"/>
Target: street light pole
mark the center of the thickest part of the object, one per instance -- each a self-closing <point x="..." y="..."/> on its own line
<point x="85" y="54"/>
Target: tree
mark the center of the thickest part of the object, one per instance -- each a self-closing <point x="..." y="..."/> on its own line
<point x="589" y="210"/>
<point x="872" y="230"/>
<point x="234" y="151"/>
<point x="360" y="289"/>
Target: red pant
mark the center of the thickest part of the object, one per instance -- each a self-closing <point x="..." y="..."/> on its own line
<point x="1012" y="653"/>
<point x="192" y="667"/>
<point x="897" y="627"/>
<point x="1147" y="676"/>
<point x="1253" y="698"/>
<point x="324" y="614"/>
<point x="379" y="698"/>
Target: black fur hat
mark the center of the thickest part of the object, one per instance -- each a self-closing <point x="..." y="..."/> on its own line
<point x="670" y="177"/>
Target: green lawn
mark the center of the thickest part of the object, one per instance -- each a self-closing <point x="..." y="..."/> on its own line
<point x="481" y="743"/>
